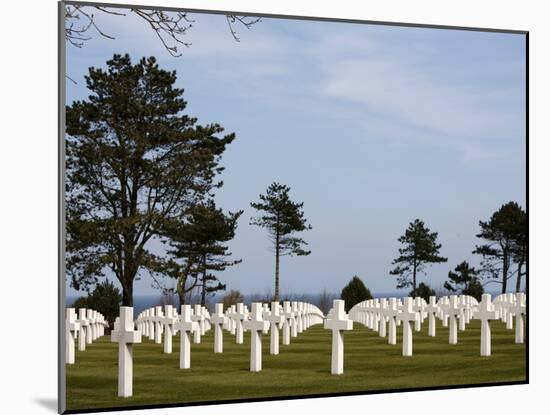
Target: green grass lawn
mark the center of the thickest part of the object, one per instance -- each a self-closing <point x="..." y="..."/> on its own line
<point x="301" y="368"/>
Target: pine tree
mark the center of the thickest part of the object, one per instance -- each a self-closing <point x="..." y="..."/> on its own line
<point x="282" y="218"/>
<point x="420" y="249"/>
<point x="355" y="292"/>
<point x="503" y="234"/>
<point x="464" y="279"/>
<point x="133" y="162"/>
<point x="197" y="251"/>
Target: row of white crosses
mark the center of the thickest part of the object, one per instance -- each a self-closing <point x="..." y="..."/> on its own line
<point x="293" y="318"/>
<point x="86" y="326"/>
<point x="454" y="311"/>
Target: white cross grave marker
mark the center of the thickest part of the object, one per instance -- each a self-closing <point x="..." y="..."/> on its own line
<point x="125" y="336"/>
<point x="71" y="327"/>
<point x="432" y="308"/>
<point x="275" y="319"/>
<point x="338" y="321"/>
<point x="218" y="319"/>
<point x="485" y="313"/>
<point x="186" y="326"/>
<point x="408" y="316"/>
<point x="168" y="321"/>
<point x="256" y="325"/>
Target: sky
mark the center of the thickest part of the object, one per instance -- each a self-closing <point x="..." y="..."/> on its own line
<point x="371" y="126"/>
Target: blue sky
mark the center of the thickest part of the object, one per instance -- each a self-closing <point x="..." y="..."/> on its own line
<point x="371" y="126"/>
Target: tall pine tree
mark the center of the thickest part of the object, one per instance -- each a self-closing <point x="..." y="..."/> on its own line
<point x="420" y="249"/>
<point x="464" y="279"/>
<point x="133" y="162"/>
<point x="197" y="251"/>
<point x="282" y="218"/>
<point x="502" y="234"/>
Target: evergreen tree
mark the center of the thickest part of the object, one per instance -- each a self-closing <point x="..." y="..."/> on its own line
<point x="134" y="162"/>
<point x="197" y="250"/>
<point x="420" y="249"/>
<point x="423" y="291"/>
<point x="282" y="218"/>
<point x="519" y="248"/>
<point x="465" y="280"/>
<point x="503" y="236"/>
<point x="105" y="298"/>
<point x="355" y="292"/>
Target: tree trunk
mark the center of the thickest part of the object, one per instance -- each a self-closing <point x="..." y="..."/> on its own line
<point x="518" y="280"/>
<point x="181" y="296"/>
<point x="276" y="296"/>
<point x="505" y="267"/>
<point x="203" y="293"/>
<point x="414" y="277"/>
<point x="128" y="293"/>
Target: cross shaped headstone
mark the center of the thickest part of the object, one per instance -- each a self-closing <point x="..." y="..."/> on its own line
<point x="274" y="318"/>
<point x="485" y="313"/>
<point x="168" y="321"/>
<point x="240" y="316"/>
<point x="83" y="322"/>
<point x="452" y="310"/>
<point x="89" y="327"/>
<point x="382" y="317"/>
<point x="218" y="319"/>
<point x="295" y="319"/>
<point x="392" y="311"/>
<point x="432" y="308"/>
<point x="125" y="336"/>
<point x="199" y="318"/>
<point x="408" y="316"/>
<point x="256" y="325"/>
<point x="186" y="326"/>
<point x="288" y="318"/>
<point x="419" y="306"/>
<point x="519" y="312"/>
<point x="71" y="327"/>
<point x="338" y="321"/>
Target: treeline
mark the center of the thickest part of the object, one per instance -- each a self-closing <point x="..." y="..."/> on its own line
<point x="141" y="173"/>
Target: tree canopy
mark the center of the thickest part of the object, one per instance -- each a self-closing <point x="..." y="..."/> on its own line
<point x="355" y="292"/>
<point x="464" y="279"/>
<point x="505" y="236"/>
<point x="134" y="163"/>
<point x="282" y="218"/>
<point x="420" y="248"/>
<point x="105" y="298"/>
<point x="197" y="251"/>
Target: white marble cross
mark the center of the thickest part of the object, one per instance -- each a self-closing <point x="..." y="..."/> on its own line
<point x="256" y="325"/>
<point x="485" y="313"/>
<point x="392" y="312"/>
<point x="452" y="310"/>
<point x="519" y="312"/>
<point x="295" y="319"/>
<point x="275" y="319"/>
<point x="168" y="321"/>
<point x="71" y="327"/>
<point x="89" y="335"/>
<point x="432" y="309"/>
<point x="186" y="326"/>
<point x="125" y="336"/>
<point x="288" y="318"/>
<point x="199" y="319"/>
<point x="408" y="316"/>
<point x="240" y="316"/>
<point x="382" y="317"/>
<point x="218" y="319"/>
<point x="83" y="322"/>
<point x="338" y="321"/>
